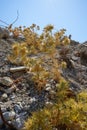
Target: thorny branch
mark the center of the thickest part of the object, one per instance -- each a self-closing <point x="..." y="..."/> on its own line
<point x="4" y="22"/>
<point x="10" y="26"/>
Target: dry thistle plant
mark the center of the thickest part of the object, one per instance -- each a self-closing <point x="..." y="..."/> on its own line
<point x="70" y="110"/>
<point x="34" y="44"/>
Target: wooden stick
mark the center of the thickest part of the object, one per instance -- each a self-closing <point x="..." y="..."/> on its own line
<point x="16" y="69"/>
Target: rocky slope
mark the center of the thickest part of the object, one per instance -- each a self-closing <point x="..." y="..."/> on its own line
<point x="18" y="96"/>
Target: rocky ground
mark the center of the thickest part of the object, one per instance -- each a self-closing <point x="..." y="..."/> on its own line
<point x="18" y="96"/>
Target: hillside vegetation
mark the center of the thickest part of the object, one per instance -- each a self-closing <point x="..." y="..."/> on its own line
<point x="38" y="53"/>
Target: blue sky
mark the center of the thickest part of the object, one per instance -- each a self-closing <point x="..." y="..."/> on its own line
<point x="68" y="14"/>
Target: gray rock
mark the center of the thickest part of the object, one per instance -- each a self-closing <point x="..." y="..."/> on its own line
<point x="48" y="89"/>
<point x="17" y="108"/>
<point x="8" y="116"/>
<point x="74" y="58"/>
<point x="48" y="85"/>
<point x="4" y="97"/>
<point x="12" y="97"/>
<point x="52" y="92"/>
<point x="48" y="104"/>
<point x="4" y="109"/>
<point x="32" y="100"/>
<point x="7" y="81"/>
<point x="1" y="122"/>
<point x="18" y="123"/>
<point x="83" y="53"/>
<point x="26" y="108"/>
<point x="4" y="33"/>
<point x="11" y="89"/>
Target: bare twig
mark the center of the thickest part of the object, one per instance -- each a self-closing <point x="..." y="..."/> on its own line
<point x="16" y="18"/>
<point x="4" y="22"/>
<point x="17" y="80"/>
<point x="3" y="26"/>
<point x="10" y="26"/>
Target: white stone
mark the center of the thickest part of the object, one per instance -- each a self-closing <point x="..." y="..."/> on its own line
<point x="7" y="81"/>
<point x="4" y="96"/>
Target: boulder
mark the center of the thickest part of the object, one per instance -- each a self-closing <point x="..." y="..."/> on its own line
<point x="4" y="33"/>
<point x="83" y="53"/>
